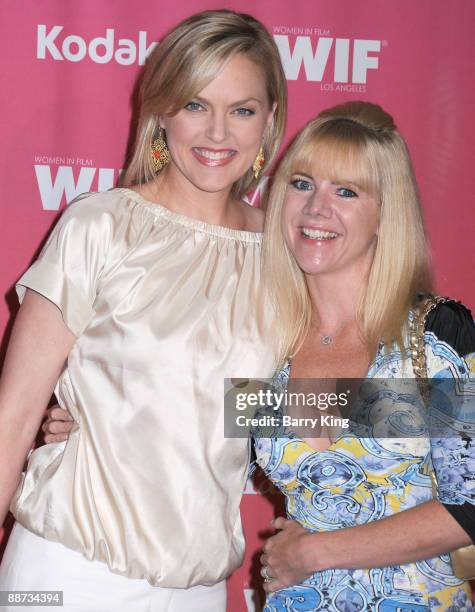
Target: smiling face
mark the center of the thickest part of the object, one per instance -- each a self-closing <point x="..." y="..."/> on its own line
<point x="330" y="226"/>
<point x="215" y="138"/>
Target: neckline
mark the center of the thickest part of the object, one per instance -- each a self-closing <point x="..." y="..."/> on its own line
<point x="196" y="224"/>
<point x="292" y="435"/>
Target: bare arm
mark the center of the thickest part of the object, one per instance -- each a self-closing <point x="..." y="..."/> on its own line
<point x="38" y="348"/>
<point x="423" y="532"/>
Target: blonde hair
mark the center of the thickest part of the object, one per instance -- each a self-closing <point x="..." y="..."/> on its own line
<point x="186" y="61"/>
<point x="357" y="142"/>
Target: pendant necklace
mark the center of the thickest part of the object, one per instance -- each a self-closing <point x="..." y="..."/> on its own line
<point x="327" y="339"/>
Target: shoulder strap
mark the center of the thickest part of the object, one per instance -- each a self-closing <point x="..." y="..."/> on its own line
<point x="416" y="335"/>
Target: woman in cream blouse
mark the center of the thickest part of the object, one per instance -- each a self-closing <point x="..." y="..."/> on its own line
<point x="142" y="301"/>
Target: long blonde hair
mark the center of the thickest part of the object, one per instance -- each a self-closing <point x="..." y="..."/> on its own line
<point x="186" y="61"/>
<point x="357" y="141"/>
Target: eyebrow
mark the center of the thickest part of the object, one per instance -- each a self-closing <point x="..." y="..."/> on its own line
<point x="303" y="174"/>
<point x="238" y="103"/>
<point x="347" y="182"/>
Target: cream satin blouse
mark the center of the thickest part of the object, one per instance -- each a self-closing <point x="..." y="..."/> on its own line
<point x="164" y="307"/>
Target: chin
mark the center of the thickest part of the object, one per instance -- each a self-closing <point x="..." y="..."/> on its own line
<point x="217" y="179"/>
<point x="215" y="186"/>
<point x="313" y="269"/>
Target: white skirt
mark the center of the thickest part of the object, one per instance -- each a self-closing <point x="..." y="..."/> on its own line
<point x="33" y="563"/>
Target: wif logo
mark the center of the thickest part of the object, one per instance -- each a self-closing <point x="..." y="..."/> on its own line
<point x="316" y="59"/>
<point x="69" y="181"/>
<point x="101" y="50"/>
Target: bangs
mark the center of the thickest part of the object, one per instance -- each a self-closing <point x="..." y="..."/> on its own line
<point x="342" y="155"/>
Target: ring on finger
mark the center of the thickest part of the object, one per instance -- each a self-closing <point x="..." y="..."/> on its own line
<point x="265" y="574"/>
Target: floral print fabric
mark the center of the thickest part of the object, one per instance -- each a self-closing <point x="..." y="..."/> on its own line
<point x="358" y="480"/>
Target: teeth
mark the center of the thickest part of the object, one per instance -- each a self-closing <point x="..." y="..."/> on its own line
<point x="318" y="234"/>
<point x="214" y="155"/>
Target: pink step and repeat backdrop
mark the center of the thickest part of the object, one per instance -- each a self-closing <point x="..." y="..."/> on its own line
<point x="69" y="69"/>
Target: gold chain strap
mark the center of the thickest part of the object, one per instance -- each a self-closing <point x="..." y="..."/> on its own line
<point x="417" y="329"/>
<point x="416" y="341"/>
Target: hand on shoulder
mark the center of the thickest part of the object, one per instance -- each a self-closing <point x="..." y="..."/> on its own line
<point x="254" y="218"/>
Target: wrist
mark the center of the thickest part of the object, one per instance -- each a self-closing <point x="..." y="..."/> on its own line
<point x="320" y="553"/>
<point x="310" y="553"/>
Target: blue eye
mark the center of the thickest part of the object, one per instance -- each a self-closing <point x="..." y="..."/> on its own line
<point x="346" y="193"/>
<point x="245" y="112"/>
<point x="301" y="185"/>
<point x="193" y="106"/>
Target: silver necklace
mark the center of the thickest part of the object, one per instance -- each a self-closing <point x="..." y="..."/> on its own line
<point x="327" y="339"/>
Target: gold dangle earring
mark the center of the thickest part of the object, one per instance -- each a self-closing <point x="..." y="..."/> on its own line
<point x="258" y="163"/>
<point x="159" y="151"/>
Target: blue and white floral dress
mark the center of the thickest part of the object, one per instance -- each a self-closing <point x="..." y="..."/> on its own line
<point x="358" y="480"/>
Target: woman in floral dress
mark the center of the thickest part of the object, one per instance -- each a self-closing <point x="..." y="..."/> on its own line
<point x="345" y="259"/>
